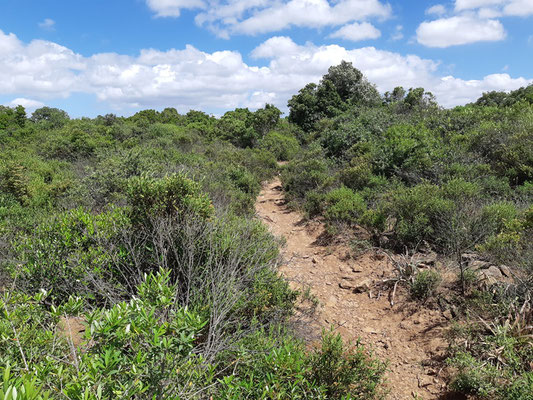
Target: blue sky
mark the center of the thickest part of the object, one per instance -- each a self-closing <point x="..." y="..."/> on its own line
<point x="95" y="57"/>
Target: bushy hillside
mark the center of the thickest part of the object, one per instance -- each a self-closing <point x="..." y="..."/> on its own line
<point x="141" y="230"/>
<point x="455" y="181"/>
<point x="132" y="266"/>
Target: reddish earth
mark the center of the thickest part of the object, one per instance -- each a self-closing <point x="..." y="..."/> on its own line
<point x="410" y="336"/>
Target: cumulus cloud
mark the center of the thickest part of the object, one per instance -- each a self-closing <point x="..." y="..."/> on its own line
<point x="437" y="9"/>
<point x="520" y="8"/>
<point x="461" y="5"/>
<point x="39" y="68"/>
<point x="250" y="17"/>
<point x="28" y="104"/>
<point x="47" y="24"/>
<point x="172" y="8"/>
<point x="459" y="30"/>
<point x="190" y="78"/>
<point x="356" y="32"/>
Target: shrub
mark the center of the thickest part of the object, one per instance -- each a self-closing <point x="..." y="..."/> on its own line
<point x="273" y="365"/>
<point x="343" y="205"/>
<point x="75" y="253"/>
<point x="350" y="372"/>
<point x="356" y="177"/>
<point x="425" y="284"/>
<point x="496" y="215"/>
<point x="314" y="203"/>
<point x="305" y="174"/>
<point x="244" y="181"/>
<point x="282" y="146"/>
<point x="417" y="211"/>
<point x="171" y="195"/>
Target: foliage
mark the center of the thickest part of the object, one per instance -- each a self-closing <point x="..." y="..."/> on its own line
<point x="343" y="205"/>
<point x="425" y="284"/>
<point x="283" y="147"/>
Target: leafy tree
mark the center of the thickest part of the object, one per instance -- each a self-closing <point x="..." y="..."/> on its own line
<point x="265" y="119"/>
<point x="303" y="107"/>
<point x="397" y="95"/>
<point x="20" y="116"/>
<point x="49" y="117"/>
<point x="419" y="99"/>
<point x="170" y="116"/>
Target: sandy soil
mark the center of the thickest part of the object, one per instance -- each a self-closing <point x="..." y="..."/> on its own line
<point x="409" y="335"/>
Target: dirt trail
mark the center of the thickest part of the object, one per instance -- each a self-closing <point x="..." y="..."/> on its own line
<point x="408" y="335"/>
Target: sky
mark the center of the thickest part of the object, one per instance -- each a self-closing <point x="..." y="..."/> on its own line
<point x="120" y="56"/>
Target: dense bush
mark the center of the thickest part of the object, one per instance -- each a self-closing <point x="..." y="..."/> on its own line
<point x="343" y="205"/>
<point x="283" y="147"/>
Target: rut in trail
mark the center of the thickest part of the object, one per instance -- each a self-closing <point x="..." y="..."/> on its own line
<point x="410" y="336"/>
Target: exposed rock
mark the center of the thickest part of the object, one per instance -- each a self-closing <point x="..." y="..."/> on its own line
<point x="506" y="271"/>
<point x="426" y="258"/>
<point x="493" y="271"/>
<point x="478" y="264"/>
<point x="362" y="286"/>
<point x="346" y="284"/>
<point x="314" y="260"/>
<point x="469" y="257"/>
<point x="491" y="275"/>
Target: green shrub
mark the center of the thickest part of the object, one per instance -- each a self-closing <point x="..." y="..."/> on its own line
<point x="346" y="372"/>
<point x="244" y="181"/>
<point x="283" y="147"/>
<point x="417" y="211"/>
<point x="273" y="365"/>
<point x="168" y="196"/>
<point x="74" y="253"/>
<point x="425" y="284"/>
<point x="23" y="387"/>
<point x="343" y="205"/>
<point x="496" y="215"/>
<point x="314" y="203"/>
<point x="305" y="174"/>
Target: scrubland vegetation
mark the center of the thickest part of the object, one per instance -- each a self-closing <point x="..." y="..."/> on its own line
<point x="143" y="228"/>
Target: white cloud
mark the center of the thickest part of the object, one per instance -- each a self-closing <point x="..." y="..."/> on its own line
<point x="458" y="91"/>
<point x="28" y="104"/>
<point x="437" y="9"/>
<point x="357" y="31"/>
<point x="520" y="8"/>
<point x="39" y="68"/>
<point x="398" y="33"/>
<point x="172" y="8"/>
<point x="250" y="17"/>
<point x="190" y="78"/>
<point x="461" y="5"/>
<point x="459" y="30"/>
<point x="493" y="8"/>
<point x="47" y="24"/>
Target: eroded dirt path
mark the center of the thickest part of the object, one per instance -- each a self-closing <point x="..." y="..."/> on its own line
<point x="408" y="335"/>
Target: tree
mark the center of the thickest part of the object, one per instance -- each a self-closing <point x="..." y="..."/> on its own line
<point x="343" y="86"/>
<point x="492" y="98"/>
<point x="397" y="95"/>
<point x="345" y="78"/>
<point x="170" y="116"/>
<point x="265" y="119"/>
<point x="49" y="117"/>
<point x="419" y="99"/>
<point x="303" y="108"/>
<point x="237" y="127"/>
<point x="20" y="116"/>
